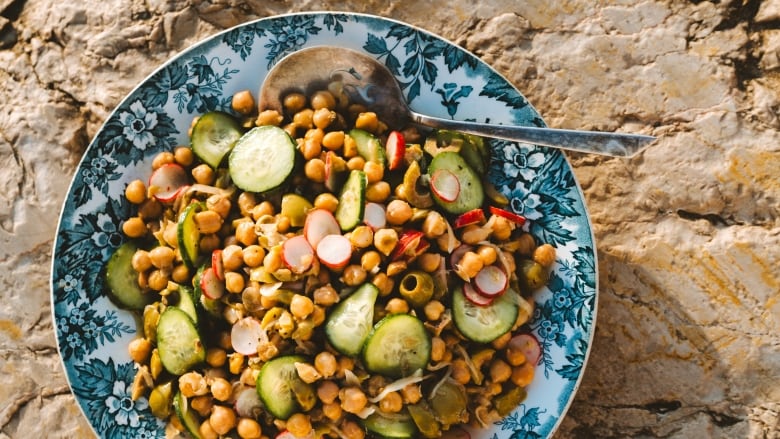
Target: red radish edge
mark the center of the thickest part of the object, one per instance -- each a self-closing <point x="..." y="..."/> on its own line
<point x="298" y="254"/>
<point x="319" y="224"/>
<point x="519" y="219"/>
<point x="491" y="281"/>
<point x="211" y="286"/>
<point x="217" y="264"/>
<point x="375" y="216"/>
<point x="169" y="178"/>
<point x="473" y="296"/>
<point x="246" y="334"/>
<point x="528" y="345"/>
<point x="334" y="251"/>
<point x="445" y="185"/>
<point x="407" y="245"/>
<point x="474" y="216"/>
<point x="396" y="148"/>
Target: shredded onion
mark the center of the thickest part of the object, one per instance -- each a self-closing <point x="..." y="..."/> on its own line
<point x="476" y="375"/>
<point x="399" y="384"/>
<point x="269" y="290"/>
<point x="452" y="241"/>
<point x="211" y="190"/>
<point x="441" y="381"/>
<point x="366" y="412"/>
<point x="350" y="378"/>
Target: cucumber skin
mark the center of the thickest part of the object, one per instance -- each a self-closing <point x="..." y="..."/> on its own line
<point x="186" y="416"/>
<point x="183" y="323"/>
<point x="352" y="201"/>
<point x="376" y="343"/>
<point x="121" y="284"/>
<point x="333" y="325"/>
<point x="386" y="428"/>
<point x="266" y="386"/>
<point x="368" y="146"/>
<point x="188" y="235"/>
<point x="482" y="334"/>
<point x="200" y="142"/>
<point x="472" y="193"/>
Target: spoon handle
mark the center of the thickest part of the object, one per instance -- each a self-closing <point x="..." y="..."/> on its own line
<point x="593" y="142"/>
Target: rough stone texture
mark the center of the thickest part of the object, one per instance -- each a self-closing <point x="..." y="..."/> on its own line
<point x="688" y="336"/>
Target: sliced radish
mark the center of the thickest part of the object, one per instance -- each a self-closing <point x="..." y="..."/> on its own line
<point x="473" y="296"/>
<point x="519" y="219"/>
<point x="319" y="224"/>
<point x="475" y="216"/>
<point x="396" y="148"/>
<point x="374" y="216"/>
<point x="458" y="253"/>
<point x="297" y="254"/>
<point x="528" y="345"/>
<point x="491" y="281"/>
<point x="246" y="335"/>
<point x="217" y="264"/>
<point x="407" y="245"/>
<point x="334" y="251"/>
<point x="169" y="180"/>
<point x="212" y="287"/>
<point x="445" y="185"/>
<point x="248" y="404"/>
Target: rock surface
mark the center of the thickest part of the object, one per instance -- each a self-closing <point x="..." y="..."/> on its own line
<point x="688" y="333"/>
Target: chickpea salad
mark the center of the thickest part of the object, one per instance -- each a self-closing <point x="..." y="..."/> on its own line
<point x="317" y="273"/>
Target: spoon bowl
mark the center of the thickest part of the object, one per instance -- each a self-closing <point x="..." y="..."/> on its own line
<point x="368" y="81"/>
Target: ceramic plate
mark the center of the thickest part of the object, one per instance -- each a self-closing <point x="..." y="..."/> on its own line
<point x="438" y="78"/>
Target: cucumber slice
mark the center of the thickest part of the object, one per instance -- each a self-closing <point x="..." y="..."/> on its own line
<point x="214" y="136"/>
<point x="281" y="389"/>
<point x="471" y="194"/>
<point x="351" y="320"/>
<point x="400" y="426"/>
<point x="398" y="346"/>
<point x="188" y="235"/>
<point x="352" y="201"/>
<point x="368" y="146"/>
<point x="178" y="342"/>
<point x="262" y="159"/>
<point x="189" y="418"/>
<point x="187" y="303"/>
<point x="122" y="280"/>
<point x="483" y="323"/>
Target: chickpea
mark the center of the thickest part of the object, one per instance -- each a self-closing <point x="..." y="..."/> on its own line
<point x="411" y="393"/>
<point x="294" y="102"/>
<point x="134" y="227"/>
<point x="151" y="208"/>
<point x="349" y="147"/>
<point x="208" y="221"/>
<point x="299" y="425"/>
<point x="487" y="254"/>
<point x="139" y="350"/>
<point x="269" y="117"/>
<point x="523" y="375"/>
<point x="180" y="274"/>
<point x="234" y="282"/>
<point x="352" y="430"/>
<point x="384" y="282"/>
<point x="502" y="228"/>
<point x="326" y="201"/>
<point x="183" y="155"/>
<point x="326" y="365"/>
<point x="222" y="419"/>
<point x="221" y="389"/>
<point x="332" y="410"/>
<point x="246" y="203"/>
<point x="158" y="280"/>
<point x="361" y="237"/>
<point x="273" y="259"/>
<point x="325" y="295"/>
<point x="303" y="118"/>
<point x="470" y="264"/>
<point x="310" y="149"/>
<point x="301" y="306"/>
<point x="397" y="306"/>
<point x="434" y="225"/>
<point x="323" y="117"/>
<point x="262" y="209"/>
<point x="202" y="404"/>
<point x="243" y="102"/>
<point x="391" y="403"/>
<point x="219" y="204"/>
<point x="235" y="363"/>
<point x="216" y="357"/>
<point x="356" y="163"/>
<point x="354" y="275"/>
<point x="398" y="212"/>
<point x="314" y="170"/>
<point x="385" y="240"/>
<point x="323" y="99"/>
<point x="429" y="262"/>
<point x="374" y="171"/>
<point x="433" y="310"/>
<point x="378" y="192"/>
<point x="500" y="371"/>
<point x="135" y="192"/>
<point x="143" y="280"/>
<point x="206" y="432"/>
<point x="253" y="255"/>
<point x="162" y="256"/>
<point x="192" y="384"/>
<point x="248" y="428"/>
<point x="141" y="261"/>
<point x="502" y="341"/>
<point x="353" y="400"/>
<point x="544" y="255"/>
<point x="370" y="260"/>
<point x="333" y="140"/>
<point x="282" y="223"/>
<point x="203" y="174"/>
<point x="232" y="257"/>
<point x="367" y="121"/>
<point x="460" y="371"/>
<point x="474" y="234"/>
<point x="396" y="267"/>
<point x="163" y="158"/>
<point x="438" y="347"/>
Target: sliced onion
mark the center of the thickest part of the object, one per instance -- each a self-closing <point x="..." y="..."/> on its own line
<point x="248" y="404"/>
<point x="375" y="216"/>
<point x="399" y="384"/>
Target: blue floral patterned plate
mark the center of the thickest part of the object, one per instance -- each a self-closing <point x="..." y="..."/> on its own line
<point x="438" y="78"/>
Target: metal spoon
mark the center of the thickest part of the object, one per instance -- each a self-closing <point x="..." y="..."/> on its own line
<point x="367" y="80"/>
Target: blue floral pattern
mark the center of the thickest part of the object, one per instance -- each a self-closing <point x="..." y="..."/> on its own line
<point x="92" y="333"/>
